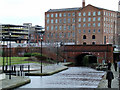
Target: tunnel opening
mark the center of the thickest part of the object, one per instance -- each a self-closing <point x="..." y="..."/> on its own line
<point x="85" y="59"/>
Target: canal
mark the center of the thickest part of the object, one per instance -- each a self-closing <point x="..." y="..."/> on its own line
<point x="74" y="77"/>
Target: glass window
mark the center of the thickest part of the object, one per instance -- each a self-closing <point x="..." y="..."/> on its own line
<point x="60" y="27"/>
<point x="64" y="34"/>
<point x="47" y="21"/>
<point x="94" y="19"/>
<point x="64" y="14"/>
<point x="51" y="20"/>
<point x="98" y="18"/>
<point x="94" y="13"/>
<point x="56" y="20"/>
<point x="64" y="20"/>
<point x="94" y="31"/>
<point x="68" y="20"/>
<point x="93" y="24"/>
<point x="69" y="27"/>
<point x="89" y="13"/>
<point x="47" y="27"/>
<point x="56" y="35"/>
<point x="84" y="31"/>
<point x="56" y="27"/>
<point x="60" y="20"/>
<point x="51" y="27"/>
<point x="56" y="15"/>
<point x="98" y="24"/>
<point x="47" y="15"/>
<point x="98" y="30"/>
<point x="99" y="12"/>
<point x="51" y="15"/>
<point x="84" y="25"/>
<point x="79" y="19"/>
<point x="93" y="43"/>
<point x="73" y="34"/>
<point x="89" y="24"/>
<point x="73" y="20"/>
<point x="68" y="34"/>
<point x="84" y="19"/>
<point x="93" y="36"/>
<point x="89" y="30"/>
<point x="79" y="14"/>
<point x="64" y="27"/>
<point x="69" y="14"/>
<point x="79" y="31"/>
<point x="84" y="14"/>
<point x="79" y="25"/>
<point x="84" y="36"/>
<point x="89" y="19"/>
<point x="104" y="13"/>
<point x="73" y="27"/>
<point x="60" y="14"/>
<point x="73" y="14"/>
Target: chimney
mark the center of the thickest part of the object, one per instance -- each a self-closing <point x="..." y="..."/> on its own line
<point x="83" y="3"/>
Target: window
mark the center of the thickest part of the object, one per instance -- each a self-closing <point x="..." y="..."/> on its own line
<point x="84" y="19"/>
<point x="68" y="20"/>
<point x="56" y="27"/>
<point x="84" y="43"/>
<point x="93" y="36"/>
<point x="73" y="14"/>
<point x="89" y="13"/>
<point x="64" y="14"/>
<point x="89" y="31"/>
<point x="60" y="27"/>
<point x="89" y="19"/>
<point x="69" y="27"/>
<point x="60" y="20"/>
<point x="73" y="34"/>
<point x="84" y="14"/>
<point x="84" y="25"/>
<point x="56" y="35"/>
<point x="98" y="18"/>
<point x="73" y="20"/>
<point x="93" y="43"/>
<point x="84" y="36"/>
<point x="47" y="15"/>
<point x="47" y="27"/>
<point x="51" y="20"/>
<point x="79" y="20"/>
<point x="99" y="12"/>
<point x="89" y="24"/>
<point x="73" y="27"/>
<point x="94" y="13"/>
<point x="47" y="21"/>
<point x="69" y="14"/>
<point x="98" y="24"/>
<point x="64" y="27"/>
<point x="68" y="34"/>
<point x="99" y="30"/>
<point x="51" y="15"/>
<point x="84" y="31"/>
<point x="64" y="34"/>
<point x="56" y="20"/>
<point x="79" y="25"/>
<point x="51" y="27"/>
<point x="94" y="19"/>
<point x="79" y="14"/>
<point x="94" y="31"/>
<point x="60" y="14"/>
<point x="64" y="20"/>
<point x="56" y="15"/>
<point x="93" y="24"/>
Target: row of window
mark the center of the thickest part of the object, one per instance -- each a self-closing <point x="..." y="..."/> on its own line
<point x="109" y="20"/>
<point x="69" y="20"/>
<point x="73" y="14"/>
<point x="108" y="31"/>
<point x="110" y="14"/>
<point x="85" y="37"/>
<point x="89" y="31"/>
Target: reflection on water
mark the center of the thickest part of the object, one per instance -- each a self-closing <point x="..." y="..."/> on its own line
<point x="74" y="77"/>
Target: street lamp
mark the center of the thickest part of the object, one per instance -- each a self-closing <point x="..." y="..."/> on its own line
<point x="10" y="55"/>
<point x="41" y="51"/>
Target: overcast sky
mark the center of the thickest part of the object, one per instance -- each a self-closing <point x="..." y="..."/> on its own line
<point x="32" y="11"/>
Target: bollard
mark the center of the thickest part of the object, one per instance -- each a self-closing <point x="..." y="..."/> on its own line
<point x="28" y="68"/>
<point x="14" y="68"/>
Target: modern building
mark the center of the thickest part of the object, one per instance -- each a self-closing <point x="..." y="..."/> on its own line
<point x="83" y="25"/>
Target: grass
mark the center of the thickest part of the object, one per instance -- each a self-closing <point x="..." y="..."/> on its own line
<point x="16" y="60"/>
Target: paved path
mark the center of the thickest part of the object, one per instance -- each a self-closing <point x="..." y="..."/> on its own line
<point x="115" y="82"/>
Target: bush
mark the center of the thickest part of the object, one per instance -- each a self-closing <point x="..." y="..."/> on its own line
<point x="35" y="54"/>
<point x="27" y="54"/>
<point x="86" y="61"/>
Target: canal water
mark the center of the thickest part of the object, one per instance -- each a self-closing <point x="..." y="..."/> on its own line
<point x="74" y="77"/>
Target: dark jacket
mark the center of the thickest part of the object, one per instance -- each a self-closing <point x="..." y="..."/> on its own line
<point x="109" y="75"/>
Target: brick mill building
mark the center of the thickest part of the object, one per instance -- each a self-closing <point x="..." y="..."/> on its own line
<point x="82" y="25"/>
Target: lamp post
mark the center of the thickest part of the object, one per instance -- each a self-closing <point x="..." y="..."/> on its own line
<point x="41" y="51"/>
<point x="3" y="54"/>
<point x="10" y="55"/>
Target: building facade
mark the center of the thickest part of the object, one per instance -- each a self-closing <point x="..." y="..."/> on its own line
<point x="82" y="25"/>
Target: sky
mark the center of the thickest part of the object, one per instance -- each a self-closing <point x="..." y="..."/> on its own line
<point x="33" y="11"/>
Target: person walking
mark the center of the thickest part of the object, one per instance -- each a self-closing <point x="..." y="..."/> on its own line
<point x="109" y="77"/>
<point x="115" y="65"/>
<point x="109" y="65"/>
